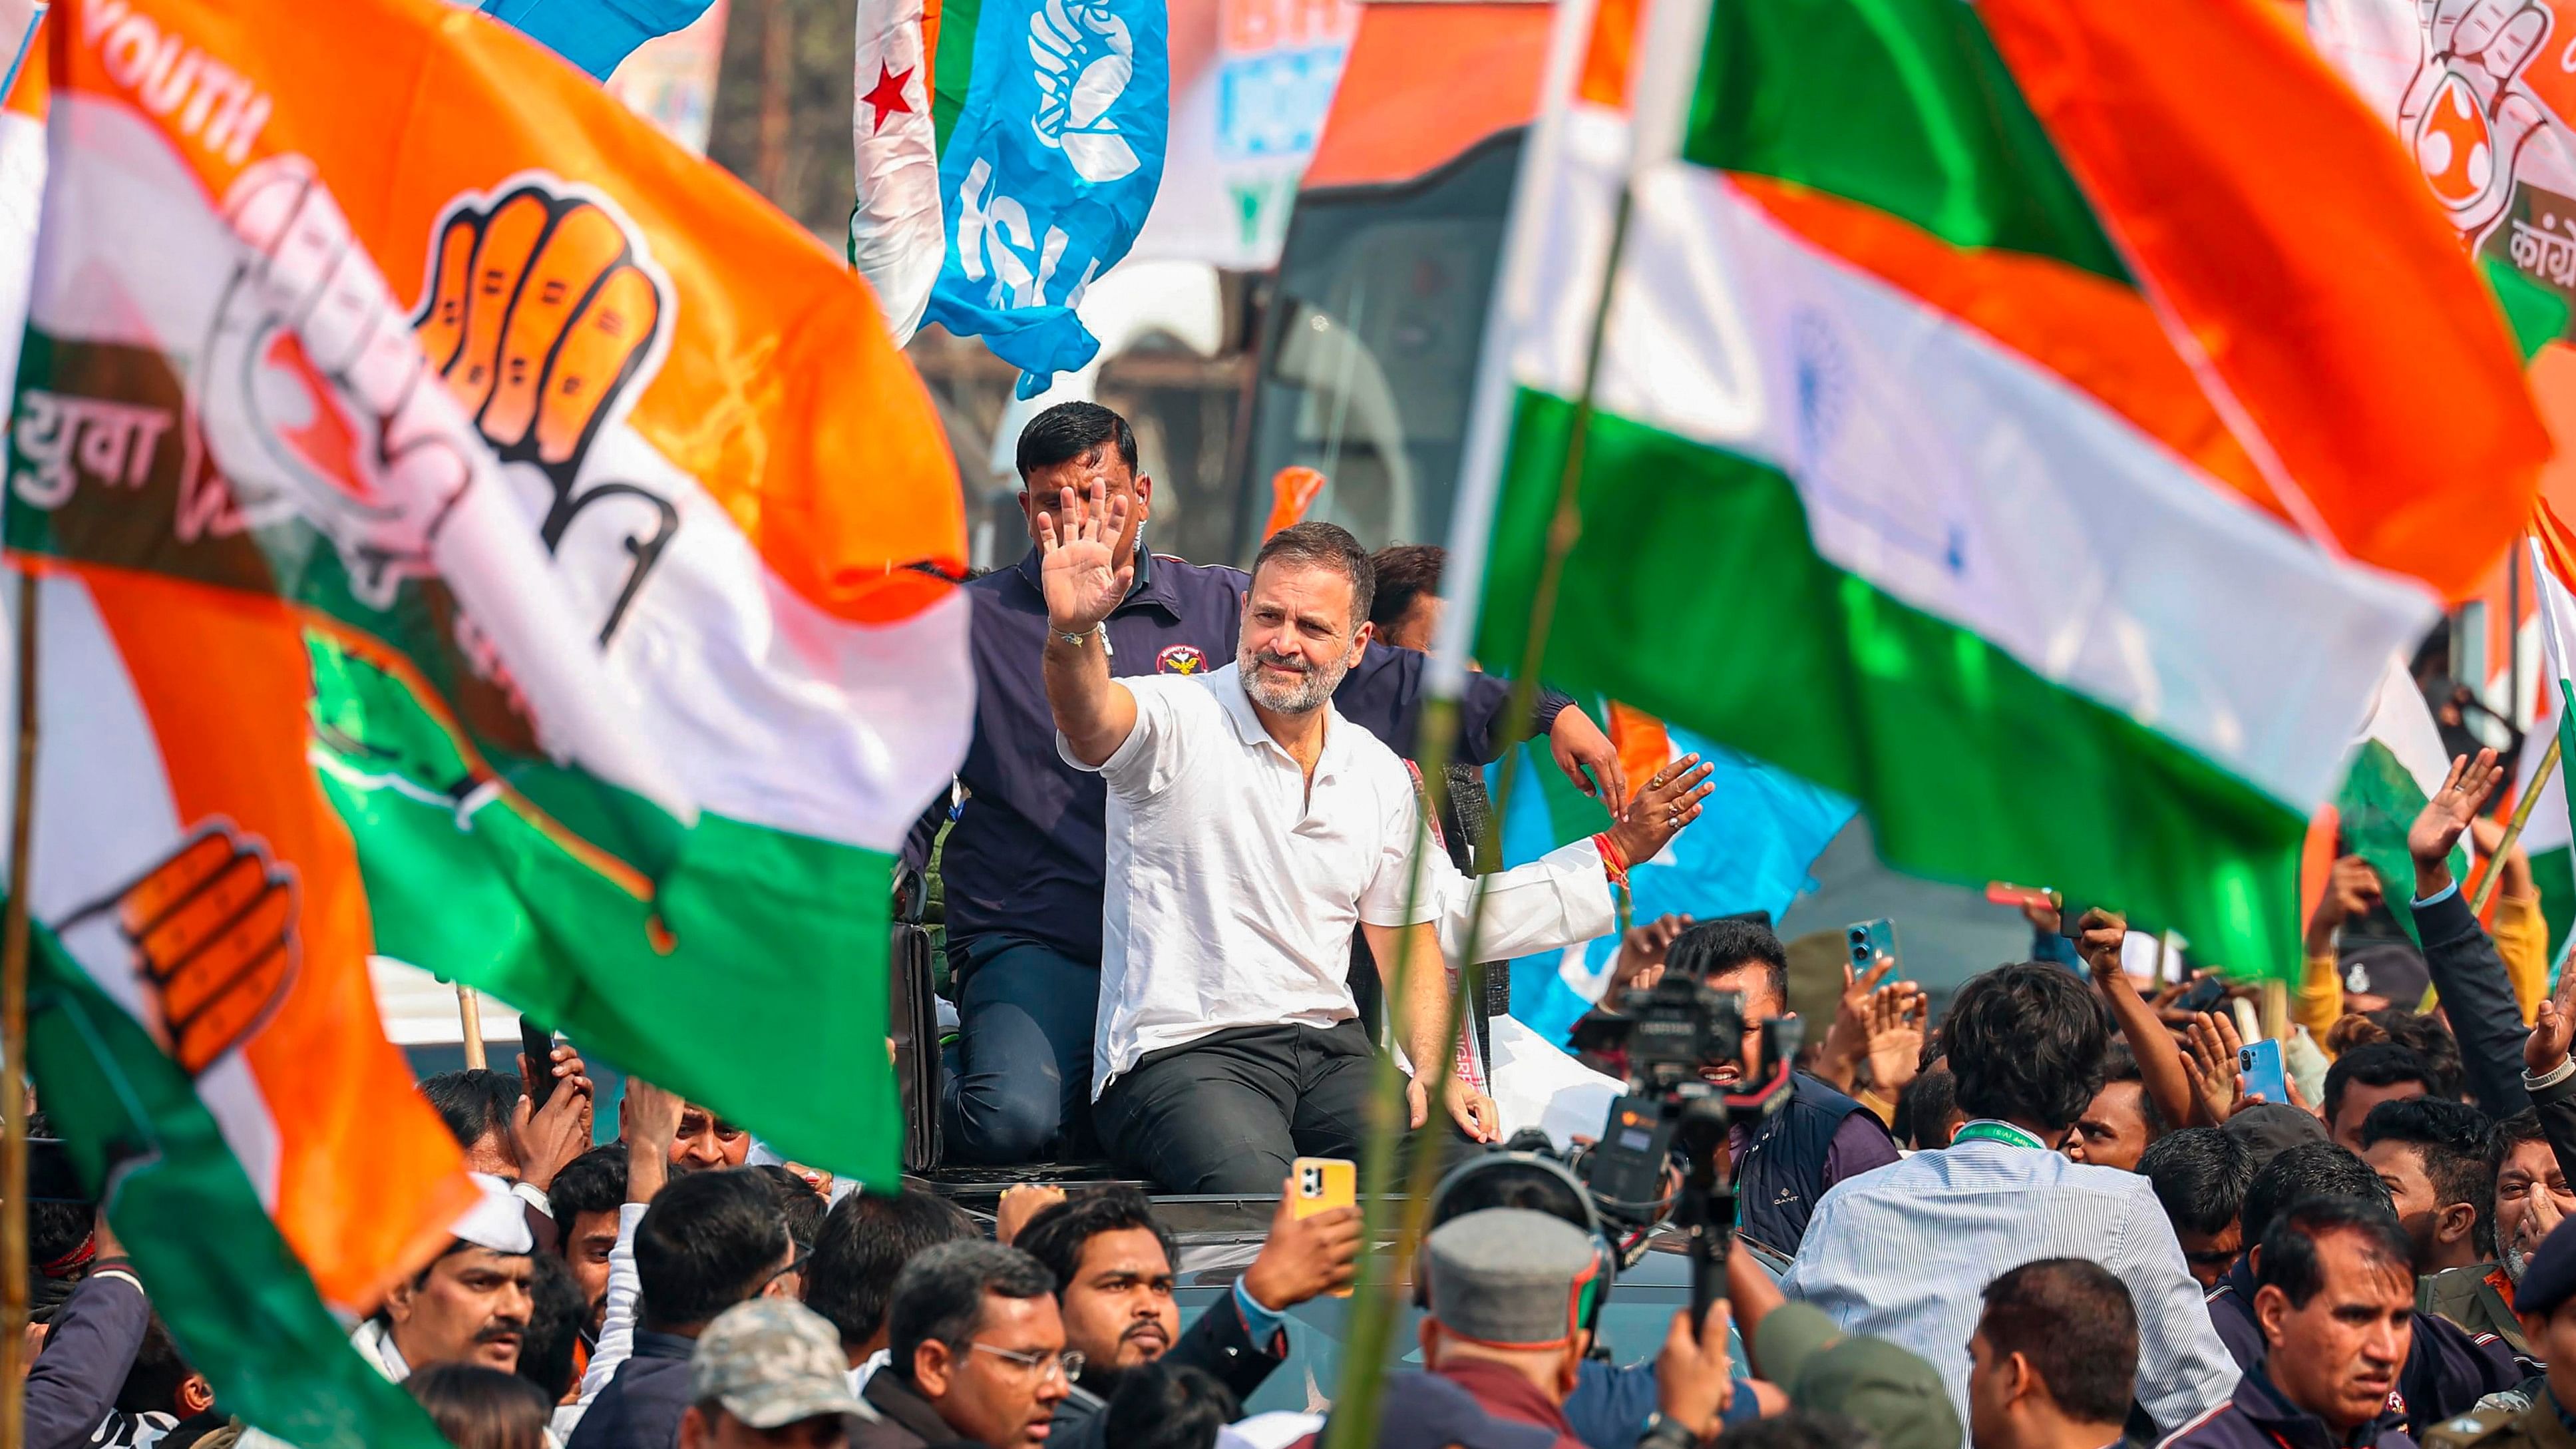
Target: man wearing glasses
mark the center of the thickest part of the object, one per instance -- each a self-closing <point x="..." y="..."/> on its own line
<point x="976" y="1352"/>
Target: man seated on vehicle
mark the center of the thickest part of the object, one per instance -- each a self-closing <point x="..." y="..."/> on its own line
<point x="1113" y="1264"/>
<point x="976" y="1352"/>
<point x="1023" y="864"/>
<point x="1821" y="1137"/>
<point x="470" y="1305"/>
<point x="1512" y="1297"/>
<point x="1251" y="831"/>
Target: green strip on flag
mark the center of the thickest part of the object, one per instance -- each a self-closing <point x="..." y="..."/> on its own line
<point x="235" y="1297"/>
<point x="2376" y="807"/>
<point x="1971" y="766"/>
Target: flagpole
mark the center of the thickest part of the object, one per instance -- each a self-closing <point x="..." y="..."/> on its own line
<point x="13" y="1039"/>
<point x="2494" y="868"/>
<point x="469" y="1018"/>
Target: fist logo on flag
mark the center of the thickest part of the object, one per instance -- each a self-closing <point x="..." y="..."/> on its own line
<point x="213" y="932"/>
<point x="2464" y="113"/>
<point x="542" y="317"/>
<point x="1085" y="58"/>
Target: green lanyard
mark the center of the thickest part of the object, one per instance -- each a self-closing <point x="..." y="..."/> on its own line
<point x="1983" y="1130"/>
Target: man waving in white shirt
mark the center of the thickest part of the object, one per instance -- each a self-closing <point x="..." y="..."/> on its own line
<point x="1250" y="831"/>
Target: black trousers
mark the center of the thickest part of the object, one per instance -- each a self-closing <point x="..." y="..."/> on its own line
<point x="1227" y="1113"/>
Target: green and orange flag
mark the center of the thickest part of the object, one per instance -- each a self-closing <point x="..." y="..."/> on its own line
<point x="472" y="531"/>
<point x="2041" y="420"/>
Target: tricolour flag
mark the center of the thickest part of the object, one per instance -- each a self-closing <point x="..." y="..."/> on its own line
<point x="1990" y="428"/>
<point x="473" y="531"/>
<point x="2398" y="765"/>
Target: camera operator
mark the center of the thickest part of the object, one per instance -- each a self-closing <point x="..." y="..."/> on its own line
<point x="1783" y="1164"/>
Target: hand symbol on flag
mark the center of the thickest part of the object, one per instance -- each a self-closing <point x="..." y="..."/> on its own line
<point x="213" y="930"/>
<point x="1085" y="58"/>
<point x="2464" y="114"/>
<point x="538" y="316"/>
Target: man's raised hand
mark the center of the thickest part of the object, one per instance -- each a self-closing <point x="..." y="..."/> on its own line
<point x="1304" y="1258"/>
<point x="1078" y="570"/>
<point x="1662" y="806"/>
<point x="2464" y="792"/>
<point x="2546" y="1047"/>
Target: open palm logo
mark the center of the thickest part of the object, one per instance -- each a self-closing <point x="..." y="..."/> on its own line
<point x="2467" y="114"/>
<point x="1085" y="59"/>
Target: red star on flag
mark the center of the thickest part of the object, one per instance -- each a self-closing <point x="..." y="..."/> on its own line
<point x="888" y="95"/>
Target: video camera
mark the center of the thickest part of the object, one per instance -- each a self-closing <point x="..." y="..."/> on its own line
<point x="1679" y="1037"/>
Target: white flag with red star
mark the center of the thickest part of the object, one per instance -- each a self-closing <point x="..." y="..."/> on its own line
<point x="896" y="235"/>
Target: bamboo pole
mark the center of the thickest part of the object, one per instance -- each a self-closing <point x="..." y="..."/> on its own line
<point x="2494" y="868"/>
<point x="469" y="1015"/>
<point x="13" y="1039"/>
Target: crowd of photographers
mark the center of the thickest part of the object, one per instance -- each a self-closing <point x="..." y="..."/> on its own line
<point x="2057" y="1215"/>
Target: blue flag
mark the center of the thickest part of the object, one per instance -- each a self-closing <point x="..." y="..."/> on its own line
<point x="1758" y="832"/>
<point x="595" y="34"/>
<point x="1048" y="173"/>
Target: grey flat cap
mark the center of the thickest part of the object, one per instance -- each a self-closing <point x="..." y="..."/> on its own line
<point x="1511" y="1277"/>
<point x="772" y="1362"/>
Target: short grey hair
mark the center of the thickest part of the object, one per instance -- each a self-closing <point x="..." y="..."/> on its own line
<point x="1325" y="545"/>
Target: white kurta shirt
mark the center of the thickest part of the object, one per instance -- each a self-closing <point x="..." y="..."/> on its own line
<point x="1232" y="888"/>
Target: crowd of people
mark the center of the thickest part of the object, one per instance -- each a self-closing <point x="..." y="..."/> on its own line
<point x="1180" y="897"/>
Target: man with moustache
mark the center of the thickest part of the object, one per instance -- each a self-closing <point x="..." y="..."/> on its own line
<point x="470" y="1305"/>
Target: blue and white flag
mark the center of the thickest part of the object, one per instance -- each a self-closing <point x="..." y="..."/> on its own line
<point x="1048" y="174"/>
<point x="595" y="34"/>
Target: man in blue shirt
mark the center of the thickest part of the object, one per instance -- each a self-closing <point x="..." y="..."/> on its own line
<point x="1022" y="869"/>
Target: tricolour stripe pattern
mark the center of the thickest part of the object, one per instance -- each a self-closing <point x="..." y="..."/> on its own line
<point x="1876" y="468"/>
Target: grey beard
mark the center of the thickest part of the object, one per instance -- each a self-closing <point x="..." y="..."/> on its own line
<point x="2516" y="1262"/>
<point x="1305" y="697"/>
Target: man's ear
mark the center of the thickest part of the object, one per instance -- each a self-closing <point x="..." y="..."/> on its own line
<point x="693" y="1428"/>
<point x="195" y="1396"/>
<point x="1360" y="638"/>
<point x="1428" y="1335"/>
<point x="2271" y="1310"/>
<point x="2454" y="1223"/>
<point x="1569" y="1370"/>
<point x="1144" y="496"/>
<point x="2019" y="1378"/>
<point x="933" y="1366"/>
<point x="398" y="1302"/>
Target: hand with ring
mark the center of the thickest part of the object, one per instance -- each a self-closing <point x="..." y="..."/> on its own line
<point x="1661" y="807"/>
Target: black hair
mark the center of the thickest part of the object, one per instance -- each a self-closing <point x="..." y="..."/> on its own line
<point x="1405" y="572"/>
<point x="2200" y="1175"/>
<point x="56" y="1230"/>
<point x="1798" y="1429"/>
<point x="939" y="1295"/>
<point x="864" y="1243"/>
<point x="708" y="1242"/>
<point x="2427" y="1037"/>
<point x="798" y="1203"/>
<point x="2372" y="1064"/>
<point x="2509" y="1133"/>
<point x="1510" y="1185"/>
<point x="1074" y="432"/>
<point x="2309" y="1170"/>
<point x="1924" y="1109"/>
<point x="2120" y="1064"/>
<point x="557" y="1312"/>
<point x="474" y="1103"/>
<point x="482" y="1408"/>
<point x="152" y="1384"/>
<point x="2290" y="1261"/>
<point x="2451" y="1138"/>
<point x="1325" y="545"/>
<point x="2026" y="1043"/>
<point x="594" y="1182"/>
<point x="2072" y="1319"/>
<point x="1058" y="1236"/>
<point x="1730" y="944"/>
<point x="1168" y="1406"/>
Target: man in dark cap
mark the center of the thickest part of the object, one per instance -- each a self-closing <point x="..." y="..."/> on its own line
<point x="2545" y="1301"/>
<point x="2269" y="1129"/>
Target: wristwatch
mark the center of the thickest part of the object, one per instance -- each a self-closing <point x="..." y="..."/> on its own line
<point x="1663" y="1433"/>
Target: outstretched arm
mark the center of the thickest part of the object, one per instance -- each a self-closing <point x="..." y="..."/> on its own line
<point x="1083" y="582"/>
<point x="2160" y="1068"/>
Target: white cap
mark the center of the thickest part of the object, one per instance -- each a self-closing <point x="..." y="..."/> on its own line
<point x="497" y="1221"/>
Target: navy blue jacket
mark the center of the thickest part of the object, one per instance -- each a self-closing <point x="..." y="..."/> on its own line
<point x="2257" y="1417"/>
<point x="1026" y="854"/>
<point x="1781" y="1170"/>
<point x="89" y="1349"/>
<point x="2478" y="998"/>
<point x="642" y="1405"/>
<point x="2447" y="1368"/>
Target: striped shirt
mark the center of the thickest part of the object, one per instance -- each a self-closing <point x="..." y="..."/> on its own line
<point x="1902" y="1254"/>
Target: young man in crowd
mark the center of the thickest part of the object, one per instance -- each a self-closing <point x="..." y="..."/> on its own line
<point x="583" y="1202"/>
<point x="1511" y="1294"/>
<point x="864" y="1243"/>
<point x="2432" y="1156"/>
<point x="2121" y="1122"/>
<point x="1901" y="1253"/>
<point x="2335" y="1298"/>
<point x="976" y="1352"/>
<point x="2364" y="1077"/>
<point x="1023" y="866"/>
<point x="767" y="1374"/>
<point x="2054" y="1359"/>
<point x="1112" y="1263"/>
<point x="1821" y="1137"/>
<point x="470" y="1305"/>
<point x="707" y="1241"/>
<point x="2445" y="1369"/>
<point x="2200" y="1175"/>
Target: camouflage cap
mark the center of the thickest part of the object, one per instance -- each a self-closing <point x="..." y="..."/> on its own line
<point x="772" y="1362"/>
